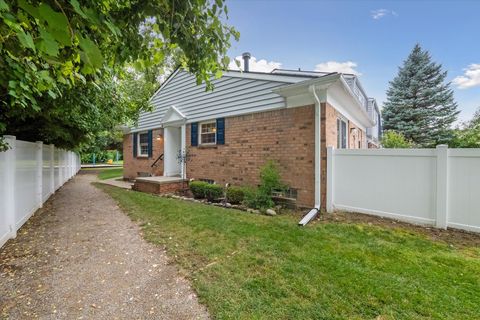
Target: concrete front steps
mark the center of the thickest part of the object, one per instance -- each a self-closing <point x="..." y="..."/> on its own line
<point x="160" y="184"/>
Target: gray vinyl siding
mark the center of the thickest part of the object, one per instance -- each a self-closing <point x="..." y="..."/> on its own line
<point x="231" y="96"/>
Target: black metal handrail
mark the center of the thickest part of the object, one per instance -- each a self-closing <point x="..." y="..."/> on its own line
<point x="158" y="159"/>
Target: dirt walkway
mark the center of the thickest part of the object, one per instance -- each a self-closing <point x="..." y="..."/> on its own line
<point x="80" y="257"/>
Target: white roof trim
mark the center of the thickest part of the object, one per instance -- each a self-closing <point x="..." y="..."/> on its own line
<point x="303" y="87"/>
<point x="324" y="82"/>
<point x="173" y="116"/>
<point x="266" y="76"/>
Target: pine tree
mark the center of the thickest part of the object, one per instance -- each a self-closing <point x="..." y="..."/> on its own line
<point x="420" y="105"/>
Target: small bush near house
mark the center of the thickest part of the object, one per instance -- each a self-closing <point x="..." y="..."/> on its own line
<point x="261" y="197"/>
<point x="235" y="195"/>
<point x="270" y="178"/>
<point x="213" y="191"/>
<point x="257" y="198"/>
<point x="198" y="189"/>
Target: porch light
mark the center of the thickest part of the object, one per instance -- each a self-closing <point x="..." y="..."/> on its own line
<point x="214" y="129"/>
<point x="159" y="137"/>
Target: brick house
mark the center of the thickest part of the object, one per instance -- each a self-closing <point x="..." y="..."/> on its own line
<point x="249" y="118"/>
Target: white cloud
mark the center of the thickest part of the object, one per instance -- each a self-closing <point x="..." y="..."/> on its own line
<point x="471" y="77"/>
<point x="261" y="65"/>
<point x="381" y="13"/>
<point x="335" y="66"/>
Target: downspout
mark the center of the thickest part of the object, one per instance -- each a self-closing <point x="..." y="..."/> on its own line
<point x="316" y="209"/>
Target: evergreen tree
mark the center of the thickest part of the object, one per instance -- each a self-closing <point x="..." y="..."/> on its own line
<point x="420" y="105"/>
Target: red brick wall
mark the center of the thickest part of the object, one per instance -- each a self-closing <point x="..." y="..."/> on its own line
<point x="132" y="166"/>
<point x="286" y="136"/>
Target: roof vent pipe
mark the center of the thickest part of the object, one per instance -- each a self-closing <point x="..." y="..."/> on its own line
<point x="246" y="57"/>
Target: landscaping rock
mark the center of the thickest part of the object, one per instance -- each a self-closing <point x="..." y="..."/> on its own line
<point x="228" y="205"/>
<point x="270" y="212"/>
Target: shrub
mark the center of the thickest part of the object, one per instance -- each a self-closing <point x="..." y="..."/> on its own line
<point x="393" y="139"/>
<point x="202" y="189"/>
<point x="235" y="194"/>
<point x="261" y="197"/>
<point x="213" y="191"/>
<point x="257" y="198"/>
<point x="198" y="189"/>
<point x="270" y="178"/>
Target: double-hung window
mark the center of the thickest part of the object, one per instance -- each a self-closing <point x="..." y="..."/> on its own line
<point x="341" y="134"/>
<point x="143" y="144"/>
<point x="208" y="132"/>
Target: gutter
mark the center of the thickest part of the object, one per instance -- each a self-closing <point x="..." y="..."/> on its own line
<point x="316" y="209"/>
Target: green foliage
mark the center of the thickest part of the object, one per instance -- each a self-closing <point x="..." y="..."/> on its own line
<point x="100" y="156"/>
<point x="468" y="135"/>
<point x="270" y="180"/>
<point x="61" y="61"/>
<point x="253" y="267"/>
<point x="235" y="194"/>
<point x="393" y="139"/>
<point x="213" y="191"/>
<point x="202" y="190"/>
<point x="198" y="189"/>
<point x="420" y="105"/>
<point x="257" y="198"/>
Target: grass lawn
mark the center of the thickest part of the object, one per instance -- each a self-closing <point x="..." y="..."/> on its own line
<point x="246" y="266"/>
<point x="109" y="173"/>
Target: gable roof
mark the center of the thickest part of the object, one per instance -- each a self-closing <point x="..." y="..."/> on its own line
<point x="235" y="93"/>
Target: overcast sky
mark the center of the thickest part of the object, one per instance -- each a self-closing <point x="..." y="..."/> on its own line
<point x="370" y="38"/>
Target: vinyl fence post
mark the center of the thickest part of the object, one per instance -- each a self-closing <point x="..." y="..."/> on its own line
<point x="52" y="169"/>
<point x="442" y="187"/>
<point x="39" y="173"/>
<point x="330" y="178"/>
<point x="10" y="169"/>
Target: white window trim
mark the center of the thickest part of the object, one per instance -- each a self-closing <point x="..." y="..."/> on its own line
<point x="200" y="133"/>
<point x="139" y="147"/>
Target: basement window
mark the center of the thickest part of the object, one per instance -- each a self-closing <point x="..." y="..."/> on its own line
<point x="208" y="132"/>
<point x="143" y="144"/>
<point x="209" y="181"/>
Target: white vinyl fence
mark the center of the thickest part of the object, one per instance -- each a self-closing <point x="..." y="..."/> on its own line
<point x="30" y="173"/>
<point x="439" y="187"/>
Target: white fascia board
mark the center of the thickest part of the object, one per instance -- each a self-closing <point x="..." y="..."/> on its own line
<point x="363" y="113"/>
<point x="346" y="103"/>
<point x="265" y="76"/>
<point x="303" y="87"/>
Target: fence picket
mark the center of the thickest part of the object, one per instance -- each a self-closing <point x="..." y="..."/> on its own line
<point x="30" y="178"/>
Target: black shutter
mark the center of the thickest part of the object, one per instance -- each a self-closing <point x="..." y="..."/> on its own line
<point x="135" y="147"/>
<point x="150" y="143"/>
<point x="194" y="134"/>
<point x="221" y="131"/>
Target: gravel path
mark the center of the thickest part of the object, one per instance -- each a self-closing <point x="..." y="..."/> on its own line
<point x="81" y="257"/>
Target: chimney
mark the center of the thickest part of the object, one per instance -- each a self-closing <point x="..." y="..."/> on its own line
<point x="246" y="57"/>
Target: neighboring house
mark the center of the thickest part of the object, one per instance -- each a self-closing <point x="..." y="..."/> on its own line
<point x="249" y="118"/>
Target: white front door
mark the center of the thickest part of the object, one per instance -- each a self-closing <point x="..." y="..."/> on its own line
<point x="172" y="147"/>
